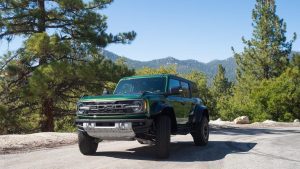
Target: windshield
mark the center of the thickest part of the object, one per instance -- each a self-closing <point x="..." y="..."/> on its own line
<point x="141" y="85"/>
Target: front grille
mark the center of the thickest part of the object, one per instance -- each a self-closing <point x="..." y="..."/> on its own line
<point x="116" y="107"/>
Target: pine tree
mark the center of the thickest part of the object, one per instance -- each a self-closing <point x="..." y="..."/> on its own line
<point x="266" y="54"/>
<point x="219" y="90"/>
<point x="262" y="64"/>
<point x="60" y="59"/>
<point x="220" y="84"/>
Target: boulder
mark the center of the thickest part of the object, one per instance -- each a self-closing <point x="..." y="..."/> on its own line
<point x="296" y="120"/>
<point x="242" y="120"/>
<point x="219" y="119"/>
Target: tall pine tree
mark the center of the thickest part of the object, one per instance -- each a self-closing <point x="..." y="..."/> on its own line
<point x="220" y="84"/>
<point x="219" y="90"/>
<point x="266" y="54"/>
<point x="262" y="62"/>
<point x="60" y="59"/>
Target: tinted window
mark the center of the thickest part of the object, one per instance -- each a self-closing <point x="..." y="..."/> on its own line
<point x="140" y="85"/>
<point x="185" y="89"/>
<point x="173" y="84"/>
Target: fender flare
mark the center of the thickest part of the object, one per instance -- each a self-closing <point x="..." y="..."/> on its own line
<point x="199" y="112"/>
<point x="159" y="108"/>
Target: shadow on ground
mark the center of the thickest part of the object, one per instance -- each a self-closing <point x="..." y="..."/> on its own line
<point x="185" y="151"/>
<point x="229" y="130"/>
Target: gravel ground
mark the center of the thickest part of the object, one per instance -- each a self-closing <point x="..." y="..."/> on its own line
<point x="15" y="143"/>
<point x="228" y="148"/>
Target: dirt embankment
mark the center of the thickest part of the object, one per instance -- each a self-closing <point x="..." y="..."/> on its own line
<point x="15" y="143"/>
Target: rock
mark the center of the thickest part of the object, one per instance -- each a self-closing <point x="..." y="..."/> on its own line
<point x="296" y="120"/>
<point x="269" y="121"/>
<point x="242" y="120"/>
<point x="219" y="119"/>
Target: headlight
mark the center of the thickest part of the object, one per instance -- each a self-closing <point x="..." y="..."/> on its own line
<point x="137" y="106"/>
<point x="81" y="108"/>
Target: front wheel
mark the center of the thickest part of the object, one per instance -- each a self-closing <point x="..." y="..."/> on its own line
<point x="87" y="144"/>
<point x="200" y="132"/>
<point x="163" y="132"/>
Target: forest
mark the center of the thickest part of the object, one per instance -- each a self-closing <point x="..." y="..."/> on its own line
<point x="62" y="59"/>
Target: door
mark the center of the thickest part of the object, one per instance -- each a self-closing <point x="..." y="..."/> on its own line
<point x="178" y="102"/>
<point x="186" y="99"/>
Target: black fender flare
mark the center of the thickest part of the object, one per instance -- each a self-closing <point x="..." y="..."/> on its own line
<point x="159" y="108"/>
<point x="199" y="112"/>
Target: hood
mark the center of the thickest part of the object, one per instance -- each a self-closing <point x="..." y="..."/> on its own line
<point x="110" y="98"/>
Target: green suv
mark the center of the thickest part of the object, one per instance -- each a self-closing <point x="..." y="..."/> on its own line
<point x="144" y="108"/>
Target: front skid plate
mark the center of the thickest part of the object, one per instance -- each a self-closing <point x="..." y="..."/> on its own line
<point x="121" y="131"/>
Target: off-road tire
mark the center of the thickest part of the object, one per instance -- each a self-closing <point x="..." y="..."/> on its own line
<point x="141" y="142"/>
<point x="163" y="132"/>
<point x="87" y="144"/>
<point x="200" y="132"/>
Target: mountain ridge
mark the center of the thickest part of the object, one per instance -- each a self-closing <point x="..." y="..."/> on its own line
<point x="183" y="66"/>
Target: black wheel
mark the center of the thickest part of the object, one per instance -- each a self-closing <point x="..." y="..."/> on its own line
<point x="141" y="142"/>
<point x="87" y="144"/>
<point x="200" y="132"/>
<point x="163" y="132"/>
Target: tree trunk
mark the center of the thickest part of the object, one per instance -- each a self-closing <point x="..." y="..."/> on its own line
<point x="47" y="122"/>
<point x="42" y="17"/>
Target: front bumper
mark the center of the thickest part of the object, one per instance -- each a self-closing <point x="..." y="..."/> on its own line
<point x="114" y="129"/>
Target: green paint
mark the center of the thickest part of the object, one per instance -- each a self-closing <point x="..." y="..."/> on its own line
<point x="155" y="102"/>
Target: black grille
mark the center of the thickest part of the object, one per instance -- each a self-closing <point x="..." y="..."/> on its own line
<point x="116" y="107"/>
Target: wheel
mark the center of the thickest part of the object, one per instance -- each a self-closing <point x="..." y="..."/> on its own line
<point x="163" y="132"/>
<point x="200" y="132"/>
<point x="149" y="142"/>
<point x="87" y="144"/>
<point x="140" y="141"/>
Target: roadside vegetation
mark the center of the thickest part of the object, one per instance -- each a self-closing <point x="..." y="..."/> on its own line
<point x="61" y="60"/>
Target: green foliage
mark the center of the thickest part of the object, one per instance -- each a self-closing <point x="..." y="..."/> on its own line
<point x="219" y="90"/>
<point x="277" y="99"/>
<point x="220" y="85"/>
<point x="73" y="19"/>
<point x="162" y="70"/>
<point x="41" y="82"/>
<point x="267" y="88"/>
<point x="266" y="54"/>
<point x="65" y="124"/>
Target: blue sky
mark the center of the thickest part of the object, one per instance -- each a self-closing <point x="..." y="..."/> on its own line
<point x="190" y="29"/>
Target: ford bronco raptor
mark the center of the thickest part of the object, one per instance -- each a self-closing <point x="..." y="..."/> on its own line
<point x="144" y="108"/>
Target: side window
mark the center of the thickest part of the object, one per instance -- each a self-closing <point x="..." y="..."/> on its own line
<point x="173" y="83"/>
<point x="185" y="89"/>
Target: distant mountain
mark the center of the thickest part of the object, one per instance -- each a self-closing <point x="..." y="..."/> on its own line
<point x="183" y="66"/>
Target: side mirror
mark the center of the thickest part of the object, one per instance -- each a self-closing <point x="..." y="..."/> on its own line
<point x="175" y="90"/>
<point x="105" y="92"/>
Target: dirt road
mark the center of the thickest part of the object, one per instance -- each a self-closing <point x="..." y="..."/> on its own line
<point x="228" y="148"/>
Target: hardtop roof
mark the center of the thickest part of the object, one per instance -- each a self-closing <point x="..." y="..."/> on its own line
<point x="157" y="75"/>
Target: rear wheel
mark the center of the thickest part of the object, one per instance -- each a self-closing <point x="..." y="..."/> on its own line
<point x="163" y="132"/>
<point x="87" y="144"/>
<point x="200" y="132"/>
<point x="141" y="142"/>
